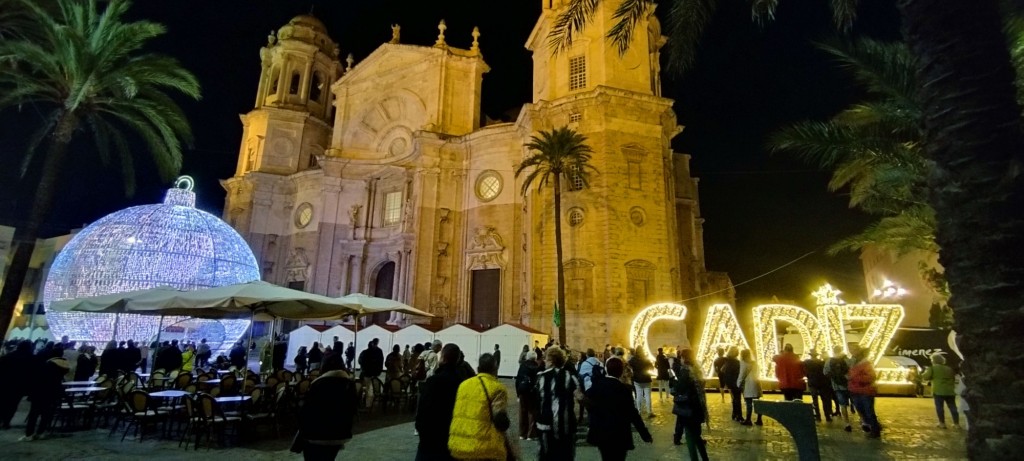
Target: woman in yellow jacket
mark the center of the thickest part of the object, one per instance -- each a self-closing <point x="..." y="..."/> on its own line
<point x="479" y="404"/>
<point x="188" y="359"/>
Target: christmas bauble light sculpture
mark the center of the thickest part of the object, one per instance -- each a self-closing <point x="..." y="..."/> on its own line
<point x="167" y="244"/>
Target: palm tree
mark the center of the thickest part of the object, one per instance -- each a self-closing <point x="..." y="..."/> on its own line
<point x="874" y="148"/>
<point x="972" y="135"/>
<point x="559" y="153"/>
<point x="83" y="65"/>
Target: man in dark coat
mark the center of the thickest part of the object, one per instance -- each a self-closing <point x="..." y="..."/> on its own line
<point x="371" y="361"/>
<point x="611" y="413"/>
<point x="325" y="420"/>
<point x="132" y="357"/>
<point x="437" y="402"/>
<point x="21" y="362"/>
<point x="238" y="356"/>
<point x="280" y="353"/>
<point x="729" y="373"/>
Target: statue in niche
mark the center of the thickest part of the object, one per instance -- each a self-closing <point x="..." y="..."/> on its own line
<point x="353" y="215"/>
<point x="407" y="215"/>
<point x="272" y="38"/>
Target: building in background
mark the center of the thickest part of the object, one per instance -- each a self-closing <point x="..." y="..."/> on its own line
<point x="899" y="279"/>
<point x="29" y="321"/>
<point x="380" y="177"/>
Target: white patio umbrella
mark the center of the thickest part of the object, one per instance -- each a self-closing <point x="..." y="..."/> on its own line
<point x="366" y="305"/>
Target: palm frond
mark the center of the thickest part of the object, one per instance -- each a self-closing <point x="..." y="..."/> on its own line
<point x="628" y="14"/>
<point x="763" y="11"/>
<point x="570" y="23"/>
<point x="684" y="25"/>
<point x="883" y="68"/>
<point x="844" y="12"/>
<point x="914" y="229"/>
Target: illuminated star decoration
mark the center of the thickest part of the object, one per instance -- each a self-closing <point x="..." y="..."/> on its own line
<point x="168" y="244"/>
<point x="825" y="294"/>
<point x="641" y="325"/>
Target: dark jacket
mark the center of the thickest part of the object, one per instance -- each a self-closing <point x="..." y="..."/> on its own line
<point x="641" y="369"/>
<point x="434" y="413"/>
<point x="331" y="402"/>
<point x="688" y="393"/>
<point x="131" y="359"/>
<point x="661" y="364"/>
<point x="371" y="362"/>
<point x="85" y="367"/>
<point x="237" y="355"/>
<point x="814" y="369"/>
<point x="22" y="363"/>
<point x="612" y="411"/>
<point x="526" y="377"/>
<point x="169" y="358"/>
<point x="315" y="355"/>
<point x="110" y="362"/>
<point x="730" y="372"/>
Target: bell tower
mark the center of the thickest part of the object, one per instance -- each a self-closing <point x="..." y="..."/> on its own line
<point x="291" y="122"/>
<point x="591" y="60"/>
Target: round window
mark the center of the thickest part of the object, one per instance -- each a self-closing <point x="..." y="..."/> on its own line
<point x="488" y="185"/>
<point x="303" y="215"/>
<point x="637" y="216"/>
<point x="575" y="217"/>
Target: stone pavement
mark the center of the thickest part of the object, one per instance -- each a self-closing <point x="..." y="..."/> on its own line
<point x="910" y="434"/>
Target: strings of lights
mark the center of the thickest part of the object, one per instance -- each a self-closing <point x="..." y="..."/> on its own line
<point x="721" y="329"/>
<point x="168" y="244"/>
<point x="766" y="338"/>
<point x="643" y="320"/>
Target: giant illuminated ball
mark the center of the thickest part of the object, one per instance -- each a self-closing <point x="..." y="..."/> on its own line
<point x="167" y="244"/>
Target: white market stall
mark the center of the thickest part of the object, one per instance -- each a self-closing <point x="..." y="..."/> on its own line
<point x="414" y="334"/>
<point x="305" y="335"/>
<point x="343" y="332"/>
<point x="382" y="333"/>
<point x="467" y="338"/>
<point x="510" y="337"/>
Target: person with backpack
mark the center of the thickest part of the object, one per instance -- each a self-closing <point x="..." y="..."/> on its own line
<point x="690" y="408"/>
<point x="836" y="369"/>
<point x="526" y="390"/>
<point x="590" y="369"/>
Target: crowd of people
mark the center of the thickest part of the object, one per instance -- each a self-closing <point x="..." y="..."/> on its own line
<point x="463" y="411"/>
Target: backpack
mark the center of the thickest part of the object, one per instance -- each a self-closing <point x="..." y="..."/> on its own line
<point x="837" y="371"/>
<point x="597" y="371"/>
<point x="524" y="384"/>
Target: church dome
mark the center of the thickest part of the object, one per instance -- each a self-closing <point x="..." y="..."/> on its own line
<point x="167" y="244"/>
<point x="306" y="28"/>
<point x="310" y="21"/>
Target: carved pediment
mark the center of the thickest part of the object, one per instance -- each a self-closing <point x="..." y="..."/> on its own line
<point x="486" y="250"/>
<point x="297" y="266"/>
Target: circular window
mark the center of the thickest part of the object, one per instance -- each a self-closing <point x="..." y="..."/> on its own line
<point x="303" y="215"/>
<point x="575" y="217"/>
<point x="637" y="216"/>
<point x="488" y="185"/>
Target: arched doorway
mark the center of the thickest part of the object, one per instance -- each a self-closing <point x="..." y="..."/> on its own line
<point x="384" y="287"/>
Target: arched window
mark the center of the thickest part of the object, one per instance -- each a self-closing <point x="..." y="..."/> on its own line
<point x="316" y="87"/>
<point x="293" y="86"/>
<point x="275" y="79"/>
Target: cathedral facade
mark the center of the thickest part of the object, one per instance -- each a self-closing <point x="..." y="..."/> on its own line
<point x="379" y="177"/>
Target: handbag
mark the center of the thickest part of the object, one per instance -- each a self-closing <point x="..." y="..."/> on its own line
<point x="501" y="420"/>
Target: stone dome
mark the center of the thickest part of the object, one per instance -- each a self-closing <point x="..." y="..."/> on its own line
<point x="310" y="21"/>
<point x="167" y="244"/>
<point x="308" y="29"/>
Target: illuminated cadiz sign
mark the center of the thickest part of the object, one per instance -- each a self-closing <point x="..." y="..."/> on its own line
<point x="821" y="332"/>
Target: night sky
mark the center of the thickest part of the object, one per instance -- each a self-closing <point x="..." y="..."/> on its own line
<point x="762" y="211"/>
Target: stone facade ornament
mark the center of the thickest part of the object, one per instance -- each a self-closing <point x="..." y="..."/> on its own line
<point x="441" y="27"/>
<point x="476" y="40"/>
<point x="297" y="267"/>
<point x="396" y="33"/>
<point x="486" y="250"/>
<point x="349" y="61"/>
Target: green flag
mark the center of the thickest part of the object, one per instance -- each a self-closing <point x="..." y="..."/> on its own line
<point x="557" y="317"/>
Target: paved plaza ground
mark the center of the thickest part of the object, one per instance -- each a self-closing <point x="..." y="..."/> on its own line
<point x="910" y="433"/>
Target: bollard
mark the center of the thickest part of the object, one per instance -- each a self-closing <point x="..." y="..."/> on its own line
<point x="798" y="418"/>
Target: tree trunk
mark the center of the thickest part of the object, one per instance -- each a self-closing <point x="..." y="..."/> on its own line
<point x="972" y="127"/>
<point x="25" y="236"/>
<point x="559" y="271"/>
